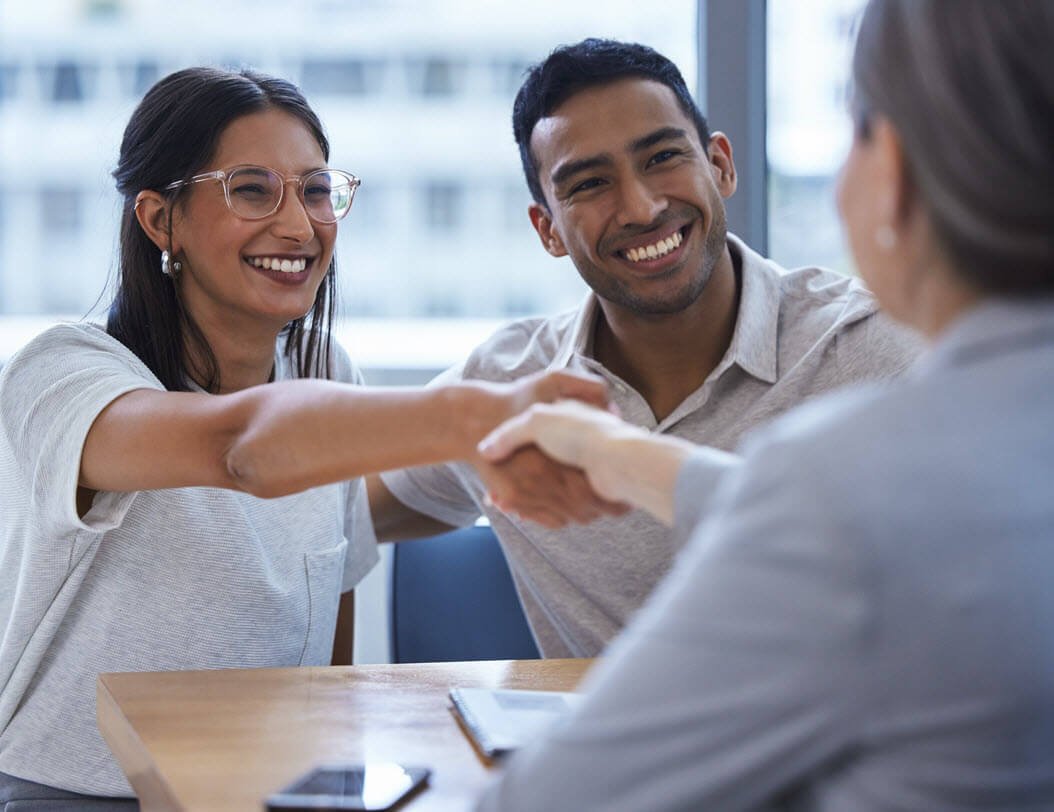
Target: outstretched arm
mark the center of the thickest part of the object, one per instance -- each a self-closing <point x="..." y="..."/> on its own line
<point x="286" y="437"/>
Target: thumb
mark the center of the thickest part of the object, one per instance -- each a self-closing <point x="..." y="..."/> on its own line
<point x="505" y="439"/>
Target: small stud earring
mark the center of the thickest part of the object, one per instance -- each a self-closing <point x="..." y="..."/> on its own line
<point x="886" y="238"/>
<point x="168" y="267"/>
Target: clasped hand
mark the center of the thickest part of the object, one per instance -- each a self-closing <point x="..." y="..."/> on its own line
<point x="545" y="487"/>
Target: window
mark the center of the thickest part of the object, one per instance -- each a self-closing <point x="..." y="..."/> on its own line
<point x="8" y="81"/>
<point x="443" y="205"/>
<point x="340" y="77"/>
<point x="416" y="99"/>
<point x="137" y="77"/>
<point x="60" y="210"/>
<point x="436" y="76"/>
<point x="67" y="81"/>
<point x="809" y="53"/>
<point x="508" y="75"/>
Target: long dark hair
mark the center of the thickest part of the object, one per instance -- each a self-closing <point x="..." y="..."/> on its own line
<point x="969" y="85"/>
<point x="171" y="136"/>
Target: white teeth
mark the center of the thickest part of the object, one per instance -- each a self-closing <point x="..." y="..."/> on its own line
<point x="654" y="251"/>
<point x="279" y="264"/>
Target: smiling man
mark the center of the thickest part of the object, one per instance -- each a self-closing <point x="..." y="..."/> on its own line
<point x="698" y="336"/>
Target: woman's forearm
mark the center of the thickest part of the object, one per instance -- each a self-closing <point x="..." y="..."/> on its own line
<point x="308" y="433"/>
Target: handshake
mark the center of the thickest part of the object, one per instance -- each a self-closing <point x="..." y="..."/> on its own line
<point x="557" y="453"/>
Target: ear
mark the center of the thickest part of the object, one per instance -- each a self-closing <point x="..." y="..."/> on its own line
<point x="152" y="212"/>
<point x="891" y="179"/>
<point x="722" y="167"/>
<point x="543" y="224"/>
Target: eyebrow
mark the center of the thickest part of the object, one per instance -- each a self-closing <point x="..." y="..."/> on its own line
<point x="571" y="168"/>
<point x="657" y="137"/>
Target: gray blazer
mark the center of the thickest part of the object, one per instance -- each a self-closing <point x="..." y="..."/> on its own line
<point x="864" y="621"/>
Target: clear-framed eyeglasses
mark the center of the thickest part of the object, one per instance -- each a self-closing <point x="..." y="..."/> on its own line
<point x="255" y="192"/>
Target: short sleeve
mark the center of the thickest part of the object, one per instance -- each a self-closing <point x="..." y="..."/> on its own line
<point x="52" y="391"/>
<point x="434" y="490"/>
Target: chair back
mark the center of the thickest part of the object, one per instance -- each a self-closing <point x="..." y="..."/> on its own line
<point x="453" y="599"/>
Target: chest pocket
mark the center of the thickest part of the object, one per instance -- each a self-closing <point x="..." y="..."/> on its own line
<point x="324" y="571"/>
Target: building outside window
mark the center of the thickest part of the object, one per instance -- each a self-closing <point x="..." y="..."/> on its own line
<point x="809" y="51"/>
<point x="416" y="97"/>
<point x="443" y="205"/>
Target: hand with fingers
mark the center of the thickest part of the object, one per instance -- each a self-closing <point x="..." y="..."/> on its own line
<point x="531" y="484"/>
<point x="569" y="432"/>
<point x="621" y="463"/>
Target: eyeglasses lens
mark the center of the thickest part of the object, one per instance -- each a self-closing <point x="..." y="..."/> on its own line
<point x="327" y="195"/>
<point x="255" y="192"/>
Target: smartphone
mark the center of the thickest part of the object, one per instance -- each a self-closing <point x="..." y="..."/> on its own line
<point x="374" y="786"/>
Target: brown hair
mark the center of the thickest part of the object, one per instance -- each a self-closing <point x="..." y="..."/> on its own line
<point x="969" y="85"/>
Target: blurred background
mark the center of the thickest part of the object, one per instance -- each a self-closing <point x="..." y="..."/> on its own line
<point x="416" y="96"/>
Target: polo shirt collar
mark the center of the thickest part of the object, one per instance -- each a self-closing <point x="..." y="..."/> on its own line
<point x="578" y="341"/>
<point x="755" y="340"/>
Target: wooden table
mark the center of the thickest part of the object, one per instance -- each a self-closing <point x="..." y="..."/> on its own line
<point x="225" y="740"/>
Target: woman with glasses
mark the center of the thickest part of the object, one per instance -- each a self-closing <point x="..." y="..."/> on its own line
<point x="865" y="619"/>
<point x="181" y="489"/>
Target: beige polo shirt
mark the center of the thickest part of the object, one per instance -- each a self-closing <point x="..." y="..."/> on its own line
<point x="798" y="334"/>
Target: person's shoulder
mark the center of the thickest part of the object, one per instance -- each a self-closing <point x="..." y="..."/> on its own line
<point x="73" y="360"/>
<point x="519" y="348"/>
<point x="69" y="339"/>
<point x="822" y="305"/>
<point x="829" y="296"/>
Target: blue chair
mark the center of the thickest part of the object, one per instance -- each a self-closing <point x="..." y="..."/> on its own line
<point x="453" y="599"/>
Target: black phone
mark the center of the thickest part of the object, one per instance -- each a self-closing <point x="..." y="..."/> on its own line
<point x="375" y="786"/>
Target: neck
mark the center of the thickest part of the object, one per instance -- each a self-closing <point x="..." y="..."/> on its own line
<point x="244" y="358"/>
<point x="666" y="357"/>
<point x="939" y="298"/>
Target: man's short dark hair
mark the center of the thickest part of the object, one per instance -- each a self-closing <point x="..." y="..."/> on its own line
<point x="573" y="68"/>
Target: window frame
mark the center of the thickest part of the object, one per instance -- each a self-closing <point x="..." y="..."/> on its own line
<point x="731" y="82"/>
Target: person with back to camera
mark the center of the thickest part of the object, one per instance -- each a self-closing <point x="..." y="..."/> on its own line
<point x="182" y="489"/>
<point x="699" y="337"/>
<point x="864" y="619"/>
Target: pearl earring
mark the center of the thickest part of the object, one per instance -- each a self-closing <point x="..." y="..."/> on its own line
<point x="168" y="267"/>
<point x="886" y="238"/>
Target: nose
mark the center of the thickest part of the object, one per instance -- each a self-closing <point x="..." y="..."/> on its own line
<point x="639" y="204"/>
<point x="291" y="221"/>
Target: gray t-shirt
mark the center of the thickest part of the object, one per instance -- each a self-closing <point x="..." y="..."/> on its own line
<point x="797" y="334"/>
<point x="863" y="621"/>
<point x="183" y="578"/>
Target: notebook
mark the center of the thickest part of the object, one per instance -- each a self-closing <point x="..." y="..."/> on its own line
<point x="500" y="721"/>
